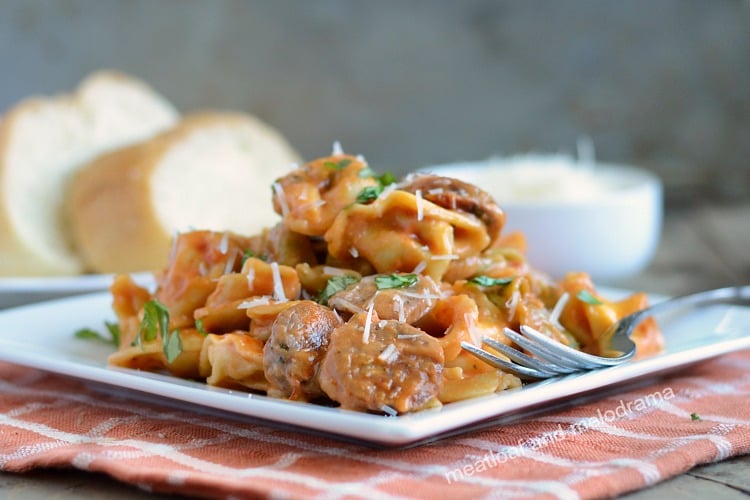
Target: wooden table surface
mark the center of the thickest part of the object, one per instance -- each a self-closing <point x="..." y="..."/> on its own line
<point x="705" y="246"/>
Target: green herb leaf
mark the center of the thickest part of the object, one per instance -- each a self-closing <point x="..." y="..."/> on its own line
<point x="395" y="281"/>
<point x="587" y="297"/>
<point x="89" y="334"/>
<point x="369" y="193"/>
<point x="338" y="165"/>
<point x="386" y="179"/>
<point x="173" y="345"/>
<point x="114" y="332"/>
<point x="488" y="281"/>
<point x="694" y="417"/>
<point x="155" y="320"/>
<point x="335" y="285"/>
<point x="199" y="326"/>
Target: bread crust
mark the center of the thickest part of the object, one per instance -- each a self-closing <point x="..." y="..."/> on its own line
<point x="108" y="205"/>
<point x="20" y="252"/>
<point x="112" y="205"/>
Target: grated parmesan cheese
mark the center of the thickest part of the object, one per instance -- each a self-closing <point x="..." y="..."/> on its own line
<point x="278" y="285"/>
<point x="389" y="354"/>
<point x="353" y="252"/>
<point x="260" y="301"/>
<point x="337" y="149"/>
<point x="424" y="295"/>
<point x="400" y="306"/>
<point x="420" y="267"/>
<point x="312" y="205"/>
<point x="546" y="178"/>
<point x="368" y="324"/>
<point x="388" y="411"/>
<point x="554" y="316"/>
<point x="281" y="197"/>
<point x="229" y="265"/>
<point x="409" y="336"/>
<point x="420" y="206"/>
<point x="338" y="316"/>
<point x="224" y="243"/>
<point x="333" y="271"/>
<point x="351" y="305"/>
<point x="512" y="304"/>
<point x="387" y="191"/>
<point x="473" y="333"/>
<point x="444" y="257"/>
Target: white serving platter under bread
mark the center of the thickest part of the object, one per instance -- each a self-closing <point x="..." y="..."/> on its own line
<point x="42" y="336"/>
<point x="16" y="291"/>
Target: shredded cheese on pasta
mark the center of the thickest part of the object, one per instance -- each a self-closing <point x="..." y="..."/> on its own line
<point x="281" y="197"/>
<point x="368" y="324"/>
<point x="260" y="301"/>
<point x="554" y="316"/>
<point x="278" y="285"/>
<point x="224" y="243"/>
<point x="388" y="354"/>
<point x="420" y="205"/>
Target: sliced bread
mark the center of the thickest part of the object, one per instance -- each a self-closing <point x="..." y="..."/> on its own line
<point x="214" y="170"/>
<point x="43" y="141"/>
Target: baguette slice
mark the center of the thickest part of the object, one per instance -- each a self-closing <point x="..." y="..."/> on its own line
<point x="214" y="170"/>
<point x="43" y="141"/>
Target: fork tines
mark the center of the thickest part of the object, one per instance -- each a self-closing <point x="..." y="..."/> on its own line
<point x="550" y="358"/>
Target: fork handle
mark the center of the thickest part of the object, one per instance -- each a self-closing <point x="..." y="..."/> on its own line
<point x="739" y="295"/>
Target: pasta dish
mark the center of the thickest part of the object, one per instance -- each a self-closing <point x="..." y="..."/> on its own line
<point x="359" y="297"/>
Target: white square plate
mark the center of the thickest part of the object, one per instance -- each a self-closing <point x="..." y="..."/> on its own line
<point x="42" y="336"/>
<point x="25" y="290"/>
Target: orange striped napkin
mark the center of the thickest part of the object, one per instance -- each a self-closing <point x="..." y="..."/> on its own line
<point x="610" y="446"/>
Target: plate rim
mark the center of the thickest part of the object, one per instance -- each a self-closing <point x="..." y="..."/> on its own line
<point x="371" y="429"/>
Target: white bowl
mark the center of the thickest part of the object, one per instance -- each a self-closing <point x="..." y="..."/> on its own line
<point x="609" y="226"/>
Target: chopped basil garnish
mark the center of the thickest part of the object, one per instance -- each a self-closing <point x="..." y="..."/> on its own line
<point x="335" y="285"/>
<point x="587" y="297"/>
<point x="88" y="334"/>
<point x="488" y="281"/>
<point x="396" y="281"/>
<point x="172" y="345"/>
<point x="386" y="179"/>
<point x="695" y="416"/>
<point x="112" y="328"/>
<point x="199" y="326"/>
<point x="370" y="193"/>
<point x="338" y="165"/>
<point x="156" y="321"/>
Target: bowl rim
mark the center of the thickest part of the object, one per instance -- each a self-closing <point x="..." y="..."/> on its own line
<point x="636" y="181"/>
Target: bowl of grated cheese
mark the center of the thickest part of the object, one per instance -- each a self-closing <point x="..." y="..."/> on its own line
<point x="603" y="219"/>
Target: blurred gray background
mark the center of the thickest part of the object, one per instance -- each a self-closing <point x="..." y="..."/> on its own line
<point x="664" y="84"/>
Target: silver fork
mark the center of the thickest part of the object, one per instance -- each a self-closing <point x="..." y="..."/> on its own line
<point x="550" y="358"/>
